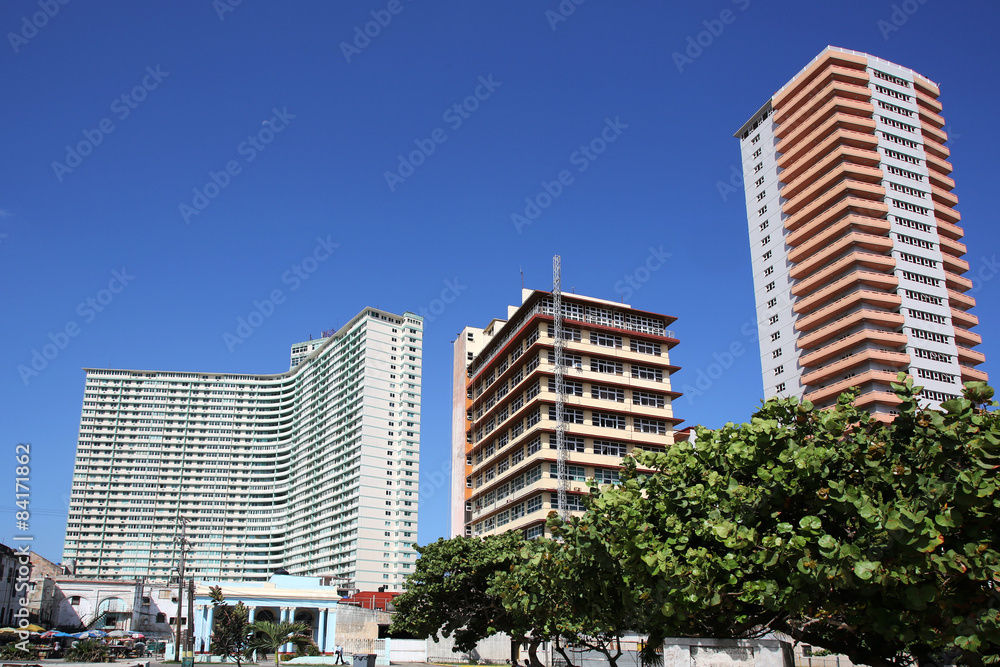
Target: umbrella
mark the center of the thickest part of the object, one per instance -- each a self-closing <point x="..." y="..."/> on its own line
<point x="137" y="635"/>
<point x="118" y="633"/>
<point x="90" y="634"/>
<point x="8" y="631"/>
<point x="54" y="634"/>
<point x="34" y="628"/>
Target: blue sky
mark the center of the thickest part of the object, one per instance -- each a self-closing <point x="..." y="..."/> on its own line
<point x="288" y="135"/>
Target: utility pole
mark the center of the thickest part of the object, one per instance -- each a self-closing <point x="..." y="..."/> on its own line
<point x="182" y="542"/>
<point x="190" y="647"/>
<point x="557" y="320"/>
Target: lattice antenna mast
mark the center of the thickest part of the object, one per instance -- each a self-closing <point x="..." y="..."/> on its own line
<point x="557" y="318"/>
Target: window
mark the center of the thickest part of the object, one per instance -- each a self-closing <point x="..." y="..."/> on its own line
<point x="756" y="138"/>
<point x="74" y="600"/>
<point x="772" y="320"/>
<point x="780" y="387"/>
<point x="756" y="153"/>
<point x="605" y="339"/>
<point x="769" y="287"/>
<point x="776" y="353"/>
<point x="765" y="240"/>
<point x="534" y="504"/>
<point x="775" y="336"/>
<point x="759" y="182"/>
<point x="769" y="270"/>
<point x="570" y="415"/>
<point x="606" y="476"/>
<point x="609" y="448"/>
<point x="644" y="425"/>
<point x="647" y="373"/>
<point x="535" y="532"/>
<point x="762" y="210"/>
<point x="573" y="443"/>
<point x="772" y="303"/>
<point x="608" y="420"/>
<point x="764" y="225"/>
<point x="606" y="366"/>
<point x="570" y="388"/>
<point x="644" y="347"/>
<point x="766" y="256"/>
<point x="535" y="445"/>
<point x="607" y="393"/>
<point x="778" y="370"/>
<point x="575" y="473"/>
<point x="646" y="398"/>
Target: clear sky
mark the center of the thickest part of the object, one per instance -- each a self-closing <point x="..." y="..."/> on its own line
<point x="286" y="118"/>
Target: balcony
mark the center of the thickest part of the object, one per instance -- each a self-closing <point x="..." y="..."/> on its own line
<point x="831" y="243"/>
<point x="837" y="388"/>
<point x="795" y="163"/>
<point x="839" y="122"/>
<point x="966" y="338"/>
<point x="886" y="357"/>
<point x="846" y="154"/>
<point x="928" y="102"/>
<point x="881" y="297"/>
<point x="878" y="318"/>
<point x="936" y="164"/>
<point x="942" y="212"/>
<point x="967" y="357"/>
<point x="832" y="65"/>
<point x="791" y="118"/>
<point x="963" y="319"/>
<point x="970" y="374"/>
<point x="814" y="281"/>
<point x="811" y="118"/>
<point x="952" y="247"/>
<point x="890" y="339"/>
<point x="828" y="182"/>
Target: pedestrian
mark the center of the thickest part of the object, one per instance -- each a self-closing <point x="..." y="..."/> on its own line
<point x="339" y="650"/>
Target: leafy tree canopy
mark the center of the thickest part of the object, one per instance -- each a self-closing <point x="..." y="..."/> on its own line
<point x="877" y="541"/>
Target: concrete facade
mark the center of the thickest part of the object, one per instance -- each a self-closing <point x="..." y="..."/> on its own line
<point x="854" y="236"/>
<point x="315" y="470"/>
<point x="618" y="399"/>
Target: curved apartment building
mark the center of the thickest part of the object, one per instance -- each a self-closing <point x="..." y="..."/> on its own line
<point x="855" y="240"/>
<point x="314" y="470"/>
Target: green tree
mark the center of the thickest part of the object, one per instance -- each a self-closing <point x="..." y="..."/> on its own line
<point x="231" y="634"/>
<point x="570" y="590"/>
<point x="269" y="637"/>
<point x="449" y="593"/>
<point x="877" y="541"/>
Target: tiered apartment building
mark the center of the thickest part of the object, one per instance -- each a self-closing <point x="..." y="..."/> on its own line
<point x="855" y="240"/>
<point x="315" y="470"/>
<point x="617" y="399"/>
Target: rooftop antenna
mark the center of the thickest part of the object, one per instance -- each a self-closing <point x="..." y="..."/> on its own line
<point x="522" y="276"/>
<point x="557" y="320"/>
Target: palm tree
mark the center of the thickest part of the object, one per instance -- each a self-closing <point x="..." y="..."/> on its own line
<point x="270" y="637"/>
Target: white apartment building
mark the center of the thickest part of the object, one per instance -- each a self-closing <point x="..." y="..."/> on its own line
<point x="315" y="470"/>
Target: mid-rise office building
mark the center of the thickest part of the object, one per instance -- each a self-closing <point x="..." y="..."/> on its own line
<point x="616" y="395"/>
<point x="315" y="470"/>
<point x="854" y="236"/>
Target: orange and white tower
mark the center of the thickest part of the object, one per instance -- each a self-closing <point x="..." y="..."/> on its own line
<point x="854" y="236"/>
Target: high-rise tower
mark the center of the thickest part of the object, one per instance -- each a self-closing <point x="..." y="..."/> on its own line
<point x="314" y="470"/>
<point x="854" y="236"/>
<point x="617" y="399"/>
